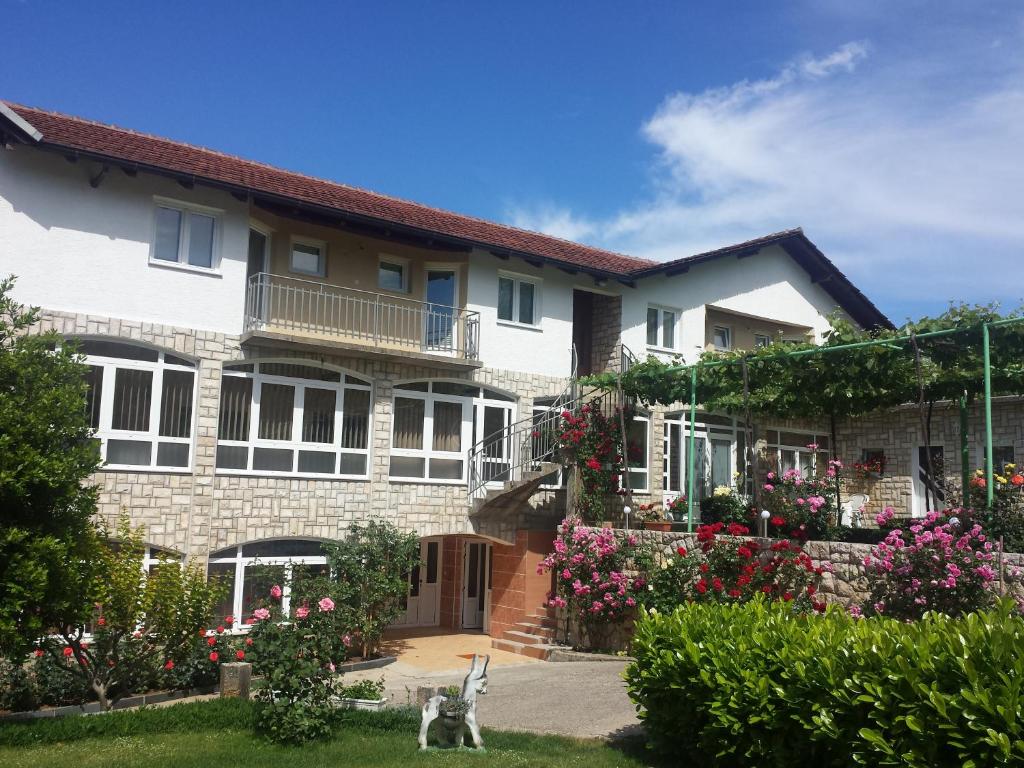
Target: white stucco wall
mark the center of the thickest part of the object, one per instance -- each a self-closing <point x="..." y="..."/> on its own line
<point x="85" y="250"/>
<point x="545" y="349"/>
<point x="770" y="284"/>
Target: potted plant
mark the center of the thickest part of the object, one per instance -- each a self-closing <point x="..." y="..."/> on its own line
<point x="652" y="519"/>
<point x="872" y="466"/>
<point x="366" y="694"/>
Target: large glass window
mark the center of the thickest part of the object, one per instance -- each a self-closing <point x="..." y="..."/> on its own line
<point x="718" y="447"/>
<point x="436" y="423"/>
<point x="284" y="418"/>
<point x="807" y="452"/>
<point x="249" y="571"/>
<point x="639" y="452"/>
<point x="139" y="402"/>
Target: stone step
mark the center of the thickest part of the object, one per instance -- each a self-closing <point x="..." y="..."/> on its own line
<point x="533" y="651"/>
<point x="544" y="621"/>
<point x="523" y="637"/>
<point x="538" y="630"/>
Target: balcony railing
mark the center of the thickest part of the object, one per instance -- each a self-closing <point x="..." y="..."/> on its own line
<point x="389" y="323"/>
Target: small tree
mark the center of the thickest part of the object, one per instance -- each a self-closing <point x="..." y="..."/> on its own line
<point x="138" y="620"/>
<point x="47" y="537"/>
<point x="368" y="583"/>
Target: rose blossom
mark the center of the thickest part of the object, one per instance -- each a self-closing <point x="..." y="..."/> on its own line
<point x="260" y="614"/>
<point x="275" y="592"/>
<point x="301" y="612"/>
<point x="326" y="604"/>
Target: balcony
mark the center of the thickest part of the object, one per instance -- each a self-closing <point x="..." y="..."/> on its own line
<point x="286" y="310"/>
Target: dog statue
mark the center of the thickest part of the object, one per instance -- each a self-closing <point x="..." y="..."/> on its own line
<point x="455" y="726"/>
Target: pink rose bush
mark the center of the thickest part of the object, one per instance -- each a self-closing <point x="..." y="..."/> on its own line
<point x="945" y="567"/>
<point x="598" y="577"/>
<point x="802" y="507"/>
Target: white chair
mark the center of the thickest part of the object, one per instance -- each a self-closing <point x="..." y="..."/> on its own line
<point x="851" y="507"/>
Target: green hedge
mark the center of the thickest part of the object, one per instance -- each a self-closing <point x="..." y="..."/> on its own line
<point x="756" y="684"/>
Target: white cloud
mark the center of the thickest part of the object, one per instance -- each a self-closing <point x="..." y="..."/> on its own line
<point x="907" y="173"/>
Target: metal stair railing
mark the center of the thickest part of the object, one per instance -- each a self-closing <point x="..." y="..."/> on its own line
<point x="505" y="455"/>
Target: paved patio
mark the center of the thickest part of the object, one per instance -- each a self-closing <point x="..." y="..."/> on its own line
<point x="585" y="699"/>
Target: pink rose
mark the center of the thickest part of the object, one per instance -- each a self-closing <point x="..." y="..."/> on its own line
<point x="261" y="614"/>
<point x="275" y="592"/>
<point x="346" y="640"/>
<point x="302" y="612"/>
<point x="326" y="604"/>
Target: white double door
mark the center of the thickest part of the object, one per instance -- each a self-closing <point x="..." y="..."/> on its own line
<point x="476" y="569"/>
<point x="422" y="604"/>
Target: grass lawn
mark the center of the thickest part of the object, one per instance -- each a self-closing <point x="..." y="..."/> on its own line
<point x="219" y="733"/>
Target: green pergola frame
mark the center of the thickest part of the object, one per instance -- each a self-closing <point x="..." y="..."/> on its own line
<point x="964" y="454"/>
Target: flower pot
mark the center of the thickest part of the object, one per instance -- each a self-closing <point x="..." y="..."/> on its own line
<point x="658" y="525"/>
<point x="373" y="705"/>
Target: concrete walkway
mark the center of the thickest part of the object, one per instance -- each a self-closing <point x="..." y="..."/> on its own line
<point x="584" y="699"/>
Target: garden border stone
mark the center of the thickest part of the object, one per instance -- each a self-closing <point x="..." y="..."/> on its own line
<point x="357" y="666"/>
<point x="93" y="707"/>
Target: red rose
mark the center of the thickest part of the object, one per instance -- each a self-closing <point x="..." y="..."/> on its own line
<point x="702" y="586"/>
<point x="239" y="655"/>
<point x="211" y="640"/>
<point x="169" y="665"/>
<point x="101" y="621"/>
<point x="717" y="584"/>
<point x="38" y="652"/>
<point x="811" y="589"/>
<point x="776" y="520"/>
<point x="220" y="630"/>
<point x="68" y="651"/>
<point x="681" y="551"/>
<point x="202" y="633"/>
<point x="229" y="620"/>
<point x="248" y="641"/>
<point x="703" y="567"/>
<point x="214" y="656"/>
<point x="734" y="593"/>
<point x="1017" y="480"/>
<point x="593" y="463"/>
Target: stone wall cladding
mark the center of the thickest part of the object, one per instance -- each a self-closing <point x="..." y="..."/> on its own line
<point x="199" y="511"/>
<point x="606" y="328"/>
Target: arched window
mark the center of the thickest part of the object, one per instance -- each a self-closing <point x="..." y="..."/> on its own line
<point x="435" y="423"/>
<point x="293" y="418"/>
<point x="249" y="571"/>
<point x="140" y="403"/>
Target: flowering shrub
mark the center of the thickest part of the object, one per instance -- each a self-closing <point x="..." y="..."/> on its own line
<point x="1006" y="517"/>
<point x="802" y="508"/>
<point x="297" y="660"/>
<point x="934" y="566"/>
<point x="197" y="664"/>
<point x="736" y="570"/>
<point x="724" y="506"/>
<point x="593" y="442"/>
<point x="594" y="578"/>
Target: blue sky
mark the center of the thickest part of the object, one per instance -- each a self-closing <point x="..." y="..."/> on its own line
<point x="893" y="132"/>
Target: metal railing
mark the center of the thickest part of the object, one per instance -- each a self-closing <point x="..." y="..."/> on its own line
<point x="527" y="444"/>
<point x="306" y="307"/>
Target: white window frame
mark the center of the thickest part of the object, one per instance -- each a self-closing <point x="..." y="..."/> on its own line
<point x="186" y="209"/>
<point x="310" y="243"/>
<point x="701" y="431"/>
<point x="517" y="281"/>
<point x="801" y="451"/>
<point x="105" y="432"/>
<point x="397" y="261"/>
<point x="645" y="470"/>
<point x="296" y="444"/>
<point x="660" y="344"/>
<point x="728" y="336"/>
<point x="240" y="625"/>
<point x="468" y="438"/>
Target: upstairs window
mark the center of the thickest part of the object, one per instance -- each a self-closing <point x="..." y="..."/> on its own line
<point x="661" y="327"/>
<point x="517" y="300"/>
<point x="307" y="258"/>
<point x="185" y="235"/>
<point x="393" y="274"/>
<point x="290" y="418"/>
<point x="139" y="402"/>
<point x="722" y="338"/>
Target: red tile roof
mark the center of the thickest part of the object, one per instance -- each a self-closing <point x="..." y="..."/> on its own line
<point x="146" y="152"/>
<point x="132" y="147"/>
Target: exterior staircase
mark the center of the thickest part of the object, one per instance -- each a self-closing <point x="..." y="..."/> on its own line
<point x="534" y="636"/>
<point x="519" y="489"/>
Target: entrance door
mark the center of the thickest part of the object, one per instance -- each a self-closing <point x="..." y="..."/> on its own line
<point x="929" y="490"/>
<point x="475" y="568"/>
<point x="421" y="605"/>
<point x="255" y="264"/>
<point x="582" y="330"/>
<point x="442" y="293"/>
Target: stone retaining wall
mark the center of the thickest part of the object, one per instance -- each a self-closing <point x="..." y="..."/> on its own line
<point x="845" y="584"/>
